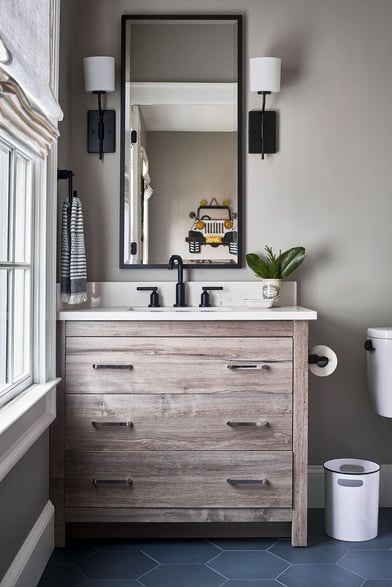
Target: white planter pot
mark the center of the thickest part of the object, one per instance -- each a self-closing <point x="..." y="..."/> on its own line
<point x="270" y="290"/>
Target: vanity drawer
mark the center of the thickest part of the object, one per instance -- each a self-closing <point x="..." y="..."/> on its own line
<point x="218" y="420"/>
<point x="200" y="479"/>
<point x="178" y="365"/>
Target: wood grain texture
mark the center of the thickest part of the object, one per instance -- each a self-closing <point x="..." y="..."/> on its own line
<point x="300" y="434"/>
<point x="180" y="479"/>
<point x="180" y="451"/>
<point x="180" y="422"/>
<point x="211" y="328"/>
<point x="178" y="365"/>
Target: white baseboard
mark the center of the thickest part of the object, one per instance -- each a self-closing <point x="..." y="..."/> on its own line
<point x="29" y="563"/>
<point x="316" y="486"/>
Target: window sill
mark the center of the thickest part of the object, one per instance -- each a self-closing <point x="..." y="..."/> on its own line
<point x="23" y="420"/>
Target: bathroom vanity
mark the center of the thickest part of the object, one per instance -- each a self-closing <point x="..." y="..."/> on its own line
<point x="181" y="417"/>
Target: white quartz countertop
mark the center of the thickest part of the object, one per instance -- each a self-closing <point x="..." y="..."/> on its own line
<point x="188" y="314"/>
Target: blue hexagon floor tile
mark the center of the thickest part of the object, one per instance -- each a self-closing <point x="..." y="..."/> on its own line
<point x="245" y="583"/>
<point x="181" y="551"/>
<point x="182" y="576"/>
<point x="378" y="583"/>
<point x="243" y="543"/>
<point x="313" y="575"/>
<point x="371" y="564"/>
<point x="116" y="565"/>
<point x="248" y="564"/>
<point x="118" y="545"/>
<point x="226" y="562"/>
<point x="71" y="554"/>
<point x="318" y="551"/>
<point x="111" y="583"/>
<point x="62" y="576"/>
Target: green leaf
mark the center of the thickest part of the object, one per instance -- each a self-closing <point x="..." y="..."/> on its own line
<point x="257" y="265"/>
<point x="291" y="260"/>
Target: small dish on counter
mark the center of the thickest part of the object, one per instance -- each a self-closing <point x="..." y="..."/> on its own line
<point x="258" y="303"/>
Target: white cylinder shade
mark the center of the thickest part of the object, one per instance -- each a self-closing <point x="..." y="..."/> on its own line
<point x="265" y="74"/>
<point x="99" y="74"/>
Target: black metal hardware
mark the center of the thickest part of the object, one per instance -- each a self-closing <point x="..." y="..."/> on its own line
<point x="133" y="137"/>
<point x="180" y="286"/>
<point x="258" y="424"/>
<point x="247" y="481"/>
<point x="154" y="297"/>
<point x="101" y="129"/>
<point x="262" y="130"/>
<point x="124" y="482"/>
<point x="66" y="174"/>
<point x="261" y="366"/>
<point x="111" y="424"/>
<point x="100" y="366"/>
<point x="133" y="248"/>
<point x="205" y="297"/>
<point x="317" y="360"/>
<point x="369" y="345"/>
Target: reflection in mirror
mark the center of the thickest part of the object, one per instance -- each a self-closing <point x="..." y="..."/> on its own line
<point x="181" y="141"/>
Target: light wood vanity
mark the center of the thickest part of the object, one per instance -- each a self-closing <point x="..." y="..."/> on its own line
<point x="181" y="421"/>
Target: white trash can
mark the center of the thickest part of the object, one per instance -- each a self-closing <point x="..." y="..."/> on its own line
<point x="351" y="499"/>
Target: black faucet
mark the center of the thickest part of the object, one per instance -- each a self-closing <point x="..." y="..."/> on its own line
<point x="180" y="286"/>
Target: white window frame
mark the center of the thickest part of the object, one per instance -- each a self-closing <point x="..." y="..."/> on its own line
<point x="18" y="385"/>
<point x="29" y="413"/>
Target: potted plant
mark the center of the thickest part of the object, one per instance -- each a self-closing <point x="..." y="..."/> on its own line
<point x="273" y="268"/>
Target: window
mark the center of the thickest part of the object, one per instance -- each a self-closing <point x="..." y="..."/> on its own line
<point x="16" y="266"/>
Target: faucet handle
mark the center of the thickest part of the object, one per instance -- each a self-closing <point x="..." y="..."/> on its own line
<point x="154" y="297"/>
<point x="205" y="296"/>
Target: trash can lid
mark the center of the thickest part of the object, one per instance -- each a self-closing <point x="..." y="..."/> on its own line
<point x="380" y="332"/>
<point x="351" y="466"/>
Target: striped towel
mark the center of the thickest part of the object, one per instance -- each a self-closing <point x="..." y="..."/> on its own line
<point x="73" y="256"/>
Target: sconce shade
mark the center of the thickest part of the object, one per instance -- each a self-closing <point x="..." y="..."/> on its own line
<point x="265" y="74"/>
<point x="99" y="74"/>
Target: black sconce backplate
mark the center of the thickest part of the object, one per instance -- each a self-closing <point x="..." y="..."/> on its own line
<point x="269" y="131"/>
<point x="109" y="137"/>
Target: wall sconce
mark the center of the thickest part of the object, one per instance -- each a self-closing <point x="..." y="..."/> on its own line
<point x="264" y="79"/>
<point x="101" y="124"/>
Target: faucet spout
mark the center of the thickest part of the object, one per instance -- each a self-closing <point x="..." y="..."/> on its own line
<point x="180" y="286"/>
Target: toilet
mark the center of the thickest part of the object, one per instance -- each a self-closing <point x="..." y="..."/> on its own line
<point x="379" y="368"/>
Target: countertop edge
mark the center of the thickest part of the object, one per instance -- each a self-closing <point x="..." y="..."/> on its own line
<point x="234" y="313"/>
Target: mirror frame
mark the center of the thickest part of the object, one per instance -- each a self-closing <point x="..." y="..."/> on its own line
<point x="240" y="84"/>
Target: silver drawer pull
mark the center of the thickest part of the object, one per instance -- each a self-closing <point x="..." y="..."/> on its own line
<point x="124" y="482"/>
<point x="110" y="424"/>
<point x="258" y="424"/>
<point x="100" y="366"/>
<point x="247" y="481"/>
<point x="248" y="367"/>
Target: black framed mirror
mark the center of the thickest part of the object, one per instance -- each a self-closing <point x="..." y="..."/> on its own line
<point x="181" y="140"/>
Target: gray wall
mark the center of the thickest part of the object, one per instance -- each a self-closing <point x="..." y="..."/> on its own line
<point x="23" y="496"/>
<point x="328" y="188"/>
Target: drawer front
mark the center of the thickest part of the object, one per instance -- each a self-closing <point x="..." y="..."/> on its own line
<point x="199" y="479"/>
<point x="220" y="421"/>
<point x="178" y="365"/>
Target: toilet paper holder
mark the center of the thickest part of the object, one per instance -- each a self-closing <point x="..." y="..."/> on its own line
<point x="318" y="360"/>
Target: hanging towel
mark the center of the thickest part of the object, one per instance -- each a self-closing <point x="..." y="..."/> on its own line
<point x="73" y="256"/>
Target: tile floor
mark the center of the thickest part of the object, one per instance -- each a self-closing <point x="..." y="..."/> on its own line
<point x="230" y="562"/>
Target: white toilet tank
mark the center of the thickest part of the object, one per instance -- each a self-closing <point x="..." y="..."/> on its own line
<point x="379" y="369"/>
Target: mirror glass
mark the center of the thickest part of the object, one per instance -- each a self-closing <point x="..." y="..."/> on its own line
<point x="181" y="175"/>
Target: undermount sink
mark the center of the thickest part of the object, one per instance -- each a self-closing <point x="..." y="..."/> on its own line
<point x="181" y="309"/>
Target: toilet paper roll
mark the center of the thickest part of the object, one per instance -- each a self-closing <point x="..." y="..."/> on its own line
<point x="323" y="351"/>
